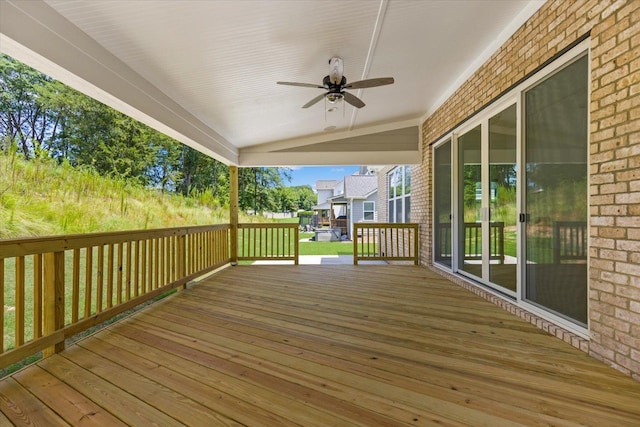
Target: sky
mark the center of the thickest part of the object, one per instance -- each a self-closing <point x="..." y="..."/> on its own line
<point x="310" y="174"/>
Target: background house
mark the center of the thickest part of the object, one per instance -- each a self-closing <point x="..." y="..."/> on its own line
<point x="351" y="200"/>
<point x="324" y="190"/>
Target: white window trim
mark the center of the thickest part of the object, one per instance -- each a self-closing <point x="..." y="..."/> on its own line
<point x="404" y="169"/>
<point x="372" y="211"/>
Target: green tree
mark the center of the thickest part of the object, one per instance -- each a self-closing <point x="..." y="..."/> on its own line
<point x="42" y="117"/>
<point x="24" y="117"/>
<point x="305" y="198"/>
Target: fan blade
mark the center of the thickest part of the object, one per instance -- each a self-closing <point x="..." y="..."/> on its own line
<point x="353" y="100"/>
<point x="314" y="100"/>
<point x="380" y="81"/>
<point x="300" y="84"/>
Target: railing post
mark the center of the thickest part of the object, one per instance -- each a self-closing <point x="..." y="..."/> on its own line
<point x="53" y="298"/>
<point x="233" y="212"/>
<point x="355" y="244"/>
<point x="296" y="242"/>
<point x="416" y="245"/>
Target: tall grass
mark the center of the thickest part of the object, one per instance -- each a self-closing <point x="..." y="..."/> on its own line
<point x="41" y="197"/>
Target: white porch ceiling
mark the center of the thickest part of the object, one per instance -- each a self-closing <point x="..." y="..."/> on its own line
<point x="205" y="72"/>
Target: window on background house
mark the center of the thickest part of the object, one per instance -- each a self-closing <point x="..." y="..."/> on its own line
<point x="399" y="194"/>
<point x="369" y="209"/>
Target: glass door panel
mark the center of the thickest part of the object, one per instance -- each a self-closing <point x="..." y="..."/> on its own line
<point x="556" y="192"/>
<point x="470" y="202"/>
<point x="503" y="256"/>
<point x="443" y="248"/>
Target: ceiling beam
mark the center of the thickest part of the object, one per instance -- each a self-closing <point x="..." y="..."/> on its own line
<point x="378" y="145"/>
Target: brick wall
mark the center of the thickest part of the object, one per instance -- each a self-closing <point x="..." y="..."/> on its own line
<point x="383" y="194"/>
<point x="613" y="28"/>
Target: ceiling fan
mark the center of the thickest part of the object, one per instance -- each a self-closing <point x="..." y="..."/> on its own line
<point x="335" y="84"/>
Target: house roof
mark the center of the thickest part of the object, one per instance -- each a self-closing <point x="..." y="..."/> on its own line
<point x="326" y="184"/>
<point x="205" y="72"/>
<point x="322" y="206"/>
<point x="359" y="186"/>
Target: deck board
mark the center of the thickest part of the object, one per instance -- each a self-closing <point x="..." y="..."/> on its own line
<point x="319" y="346"/>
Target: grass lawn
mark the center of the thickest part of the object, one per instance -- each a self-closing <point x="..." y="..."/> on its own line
<point x="324" y="248"/>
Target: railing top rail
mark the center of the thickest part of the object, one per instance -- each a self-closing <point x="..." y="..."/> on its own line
<point x="386" y="224"/>
<point x="34" y="245"/>
<point x="268" y="225"/>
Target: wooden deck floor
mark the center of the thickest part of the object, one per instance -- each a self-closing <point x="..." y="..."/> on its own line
<point x="321" y="346"/>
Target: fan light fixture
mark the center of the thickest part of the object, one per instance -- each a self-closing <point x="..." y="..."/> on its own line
<point x="334" y="97"/>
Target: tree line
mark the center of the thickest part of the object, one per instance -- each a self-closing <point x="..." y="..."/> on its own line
<point x="42" y="117"/>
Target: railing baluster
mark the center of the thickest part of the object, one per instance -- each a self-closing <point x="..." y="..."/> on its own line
<point x="136" y="270"/>
<point x="143" y="267"/>
<point x="100" y="279"/>
<point x="110" y="266"/>
<point x="19" y="300"/>
<point x="156" y="263"/>
<point x="190" y="253"/>
<point x="37" y="295"/>
<point x="194" y="252"/>
<point x="75" y="286"/>
<point x="119" y="271"/>
<point x="254" y="242"/>
<point x="203" y="250"/>
<point x="163" y="246"/>
<point x="88" y="279"/>
<point x="202" y="253"/>
<point x="128" y="273"/>
<point x="173" y="260"/>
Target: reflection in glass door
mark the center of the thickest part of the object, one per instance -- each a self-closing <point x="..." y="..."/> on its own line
<point x="556" y="192"/>
<point x="487" y="203"/>
<point x="443" y="249"/>
<point x="470" y="202"/>
<point x="503" y="255"/>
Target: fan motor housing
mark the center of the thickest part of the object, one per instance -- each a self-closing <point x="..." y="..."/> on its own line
<point x="333" y="87"/>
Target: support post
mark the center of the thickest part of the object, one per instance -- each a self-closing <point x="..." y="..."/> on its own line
<point x="233" y="212"/>
<point x="53" y="298"/>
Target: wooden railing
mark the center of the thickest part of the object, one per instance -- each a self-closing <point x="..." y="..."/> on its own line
<point x="472" y="241"/>
<point x="340" y="223"/>
<point x="385" y="242"/>
<point x="64" y="285"/>
<point x="268" y="241"/>
<point x="569" y="241"/>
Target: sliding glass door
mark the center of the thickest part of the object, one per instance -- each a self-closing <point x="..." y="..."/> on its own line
<point x="511" y="195"/>
<point x="486" y="201"/>
<point x="470" y="202"/>
<point x="503" y="208"/>
<point x="443" y="248"/>
<point x="556" y="192"/>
